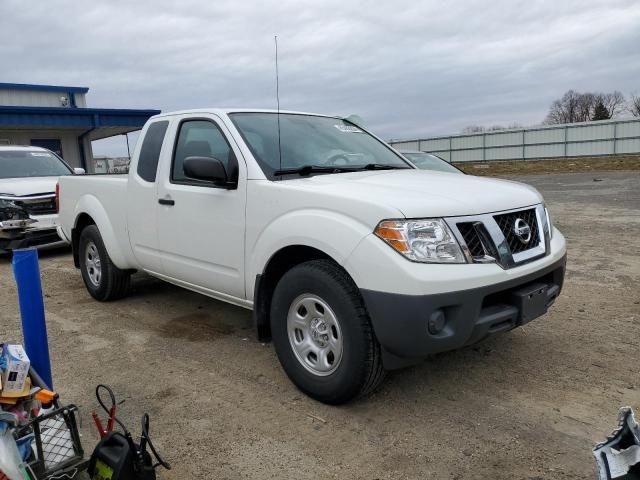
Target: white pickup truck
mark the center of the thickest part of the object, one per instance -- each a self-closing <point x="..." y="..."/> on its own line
<point x="353" y="261"/>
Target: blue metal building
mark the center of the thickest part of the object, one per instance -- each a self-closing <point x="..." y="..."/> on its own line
<point x="57" y="117"/>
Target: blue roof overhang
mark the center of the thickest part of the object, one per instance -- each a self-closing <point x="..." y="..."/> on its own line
<point x="42" y="88"/>
<point x="104" y="122"/>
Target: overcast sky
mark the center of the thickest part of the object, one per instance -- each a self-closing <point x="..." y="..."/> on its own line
<point x="408" y="68"/>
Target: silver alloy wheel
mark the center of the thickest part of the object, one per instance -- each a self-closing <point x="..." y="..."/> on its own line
<point x="92" y="263"/>
<point x="314" y="334"/>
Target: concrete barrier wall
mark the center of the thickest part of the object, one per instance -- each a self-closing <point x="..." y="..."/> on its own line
<point x="588" y="139"/>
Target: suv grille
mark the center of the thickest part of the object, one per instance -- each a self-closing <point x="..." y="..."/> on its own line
<point x="42" y="206"/>
<point x="477" y="239"/>
<point x="507" y="222"/>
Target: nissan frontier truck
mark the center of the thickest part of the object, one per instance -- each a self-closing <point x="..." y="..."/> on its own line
<point x="353" y="261"/>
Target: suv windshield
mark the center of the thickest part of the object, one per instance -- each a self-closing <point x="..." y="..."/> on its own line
<point x="26" y="163"/>
<point x="311" y="143"/>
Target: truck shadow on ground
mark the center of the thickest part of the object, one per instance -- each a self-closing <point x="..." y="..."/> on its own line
<point x="191" y="316"/>
<point x="182" y="315"/>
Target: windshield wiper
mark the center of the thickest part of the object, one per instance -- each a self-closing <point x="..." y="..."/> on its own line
<point x="309" y="169"/>
<point x="382" y="166"/>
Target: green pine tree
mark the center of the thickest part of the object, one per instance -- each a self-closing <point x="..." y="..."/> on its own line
<point x="600" y="112"/>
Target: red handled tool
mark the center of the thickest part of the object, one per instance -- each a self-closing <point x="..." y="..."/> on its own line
<point x="112" y="412"/>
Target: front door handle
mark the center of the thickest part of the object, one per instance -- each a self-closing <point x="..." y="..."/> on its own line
<point x="166" y="201"/>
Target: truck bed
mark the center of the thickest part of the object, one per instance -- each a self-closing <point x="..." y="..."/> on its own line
<point x="105" y="196"/>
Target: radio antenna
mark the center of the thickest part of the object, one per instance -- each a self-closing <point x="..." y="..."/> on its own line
<point x="275" y="40"/>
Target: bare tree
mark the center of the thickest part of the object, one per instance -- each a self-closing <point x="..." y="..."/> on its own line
<point x="614" y="102"/>
<point x="473" y="129"/>
<point x="564" y="110"/>
<point x="580" y="107"/>
<point x="492" y="128"/>
<point x="634" y="105"/>
<point x="586" y="105"/>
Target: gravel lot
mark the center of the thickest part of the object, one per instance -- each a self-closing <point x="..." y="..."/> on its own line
<point x="528" y="404"/>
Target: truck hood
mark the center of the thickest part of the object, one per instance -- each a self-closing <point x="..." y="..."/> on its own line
<point x="422" y="193"/>
<point x="21" y="187"/>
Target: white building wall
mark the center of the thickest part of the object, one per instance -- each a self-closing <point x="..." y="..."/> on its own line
<point x="68" y="139"/>
<point x="35" y="98"/>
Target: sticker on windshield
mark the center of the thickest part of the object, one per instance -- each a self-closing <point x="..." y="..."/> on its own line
<point x="348" y="128"/>
<point x="39" y="154"/>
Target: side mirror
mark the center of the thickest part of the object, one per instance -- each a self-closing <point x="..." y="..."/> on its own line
<point x="79" y="171"/>
<point x="206" y="168"/>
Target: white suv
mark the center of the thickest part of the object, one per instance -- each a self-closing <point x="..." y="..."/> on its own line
<point x="28" y="208"/>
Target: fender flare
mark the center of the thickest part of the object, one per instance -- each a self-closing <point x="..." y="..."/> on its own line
<point x="89" y="205"/>
<point x="332" y="233"/>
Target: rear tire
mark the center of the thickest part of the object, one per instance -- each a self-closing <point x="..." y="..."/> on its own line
<point x="104" y="281"/>
<point x="322" y="333"/>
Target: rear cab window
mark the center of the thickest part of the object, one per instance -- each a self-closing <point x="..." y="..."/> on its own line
<point x="150" y="150"/>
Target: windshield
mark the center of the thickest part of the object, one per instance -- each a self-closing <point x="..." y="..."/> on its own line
<point x="25" y="163"/>
<point x="308" y="140"/>
<point x="427" y="161"/>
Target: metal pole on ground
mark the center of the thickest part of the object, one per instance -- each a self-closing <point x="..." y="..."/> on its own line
<point x="34" y="327"/>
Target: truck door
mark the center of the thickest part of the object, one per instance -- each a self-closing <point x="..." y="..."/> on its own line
<point x="200" y="225"/>
<point x="142" y="196"/>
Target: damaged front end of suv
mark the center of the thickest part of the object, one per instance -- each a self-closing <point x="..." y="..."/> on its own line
<point x="14" y="224"/>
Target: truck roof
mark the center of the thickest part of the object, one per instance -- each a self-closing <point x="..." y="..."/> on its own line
<point x="225" y="111"/>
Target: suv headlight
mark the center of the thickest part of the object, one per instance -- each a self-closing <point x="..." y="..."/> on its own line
<point x="425" y="240"/>
<point x="11" y="211"/>
<point x="549" y="225"/>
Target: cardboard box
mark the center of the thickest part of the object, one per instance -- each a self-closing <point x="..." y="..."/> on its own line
<point x="15" y="369"/>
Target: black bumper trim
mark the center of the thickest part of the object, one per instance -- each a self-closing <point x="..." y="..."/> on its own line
<point x="400" y="321"/>
<point x="33" y="238"/>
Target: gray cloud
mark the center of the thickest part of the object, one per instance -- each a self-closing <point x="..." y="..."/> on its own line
<point x="408" y="68"/>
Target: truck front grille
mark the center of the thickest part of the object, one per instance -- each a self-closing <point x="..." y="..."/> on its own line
<point x="508" y="238"/>
<point x="507" y="223"/>
<point x="477" y="238"/>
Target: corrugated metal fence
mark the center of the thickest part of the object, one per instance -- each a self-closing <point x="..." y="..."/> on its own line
<point x="608" y="137"/>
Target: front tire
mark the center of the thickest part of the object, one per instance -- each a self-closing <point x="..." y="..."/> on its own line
<point x="322" y="333"/>
<point x="104" y="281"/>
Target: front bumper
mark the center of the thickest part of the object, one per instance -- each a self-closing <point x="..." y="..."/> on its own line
<point x="42" y="233"/>
<point x="401" y="322"/>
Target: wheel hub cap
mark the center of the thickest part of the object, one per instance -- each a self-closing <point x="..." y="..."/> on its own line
<point x="314" y="334"/>
<point x="93" y="264"/>
<point x="319" y="332"/>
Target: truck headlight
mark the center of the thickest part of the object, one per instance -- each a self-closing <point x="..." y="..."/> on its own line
<point x="425" y="240"/>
